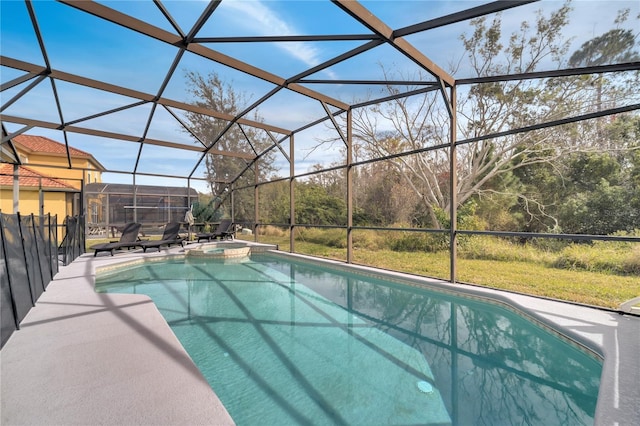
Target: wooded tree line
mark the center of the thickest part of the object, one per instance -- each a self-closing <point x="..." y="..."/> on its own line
<point x="579" y="177"/>
<point x="584" y="193"/>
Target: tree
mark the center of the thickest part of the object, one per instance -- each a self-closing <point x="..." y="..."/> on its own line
<point x="206" y="209"/>
<point x="604" y="210"/>
<point x="420" y="122"/>
<point x="592" y="192"/>
<point x="274" y="202"/>
<point x="212" y="93"/>
<point x="602" y="189"/>
<point x="613" y="47"/>
<point x="315" y="206"/>
<point x="487" y="169"/>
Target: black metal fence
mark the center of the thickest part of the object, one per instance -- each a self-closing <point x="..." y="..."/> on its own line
<point x="28" y="263"/>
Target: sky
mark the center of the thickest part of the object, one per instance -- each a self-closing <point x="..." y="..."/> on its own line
<point x="87" y="46"/>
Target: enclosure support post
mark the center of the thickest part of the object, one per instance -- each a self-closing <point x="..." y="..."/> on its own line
<point x="135" y="200"/>
<point x="166" y="214"/>
<point x="16" y="188"/>
<point x="349" y="186"/>
<point x="82" y="213"/>
<point x="232" y="196"/>
<point x="292" y="198"/>
<point x="256" y="201"/>
<point x="107" y="213"/>
<point x="190" y="209"/>
<point x="450" y="103"/>
<point x="453" y="188"/>
<point x="189" y="192"/>
<point x="40" y="198"/>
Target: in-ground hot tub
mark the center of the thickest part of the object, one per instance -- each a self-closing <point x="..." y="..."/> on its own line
<point x="226" y="250"/>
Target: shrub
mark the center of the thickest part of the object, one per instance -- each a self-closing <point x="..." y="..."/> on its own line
<point x="631" y="264"/>
<point x="486" y="248"/>
<point x="495" y="248"/>
<point x="601" y="256"/>
<point x="370" y="240"/>
<point x="554" y="245"/>
<point x="272" y="231"/>
<point x="418" y="241"/>
<point x="327" y="237"/>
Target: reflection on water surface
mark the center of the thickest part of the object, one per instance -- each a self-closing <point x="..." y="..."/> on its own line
<point x="290" y="342"/>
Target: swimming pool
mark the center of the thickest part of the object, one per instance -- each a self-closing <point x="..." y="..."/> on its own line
<point x="290" y="342"/>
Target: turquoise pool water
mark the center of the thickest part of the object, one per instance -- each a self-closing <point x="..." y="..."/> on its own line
<point x="286" y="343"/>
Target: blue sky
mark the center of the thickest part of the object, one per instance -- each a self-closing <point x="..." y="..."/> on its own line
<point x="81" y="44"/>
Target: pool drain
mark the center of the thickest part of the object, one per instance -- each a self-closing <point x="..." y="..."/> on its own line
<point x="425" y="387"/>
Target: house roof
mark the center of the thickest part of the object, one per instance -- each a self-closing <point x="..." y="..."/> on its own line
<point x="40" y="144"/>
<point x="44" y="145"/>
<point x="126" y="189"/>
<point x="30" y="178"/>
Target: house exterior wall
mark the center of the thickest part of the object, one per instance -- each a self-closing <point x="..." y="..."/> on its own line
<point x="47" y="184"/>
<point x="73" y="177"/>
<point x="56" y="203"/>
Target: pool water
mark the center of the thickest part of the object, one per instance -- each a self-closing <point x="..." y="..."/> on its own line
<point x="284" y="343"/>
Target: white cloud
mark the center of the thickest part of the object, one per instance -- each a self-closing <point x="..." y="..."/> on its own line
<point x="265" y="21"/>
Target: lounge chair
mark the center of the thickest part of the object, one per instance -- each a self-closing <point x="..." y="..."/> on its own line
<point x="128" y="239"/>
<point x="169" y="236"/>
<point x="223" y="231"/>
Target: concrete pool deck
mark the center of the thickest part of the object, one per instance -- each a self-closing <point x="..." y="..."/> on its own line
<point x="82" y="357"/>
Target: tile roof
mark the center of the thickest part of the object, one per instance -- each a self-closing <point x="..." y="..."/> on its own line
<point x="41" y="144"/>
<point x="29" y="178"/>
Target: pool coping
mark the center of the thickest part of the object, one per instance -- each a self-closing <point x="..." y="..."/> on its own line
<point x="83" y="357"/>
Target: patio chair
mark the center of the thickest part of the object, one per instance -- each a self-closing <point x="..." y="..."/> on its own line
<point x="128" y="239"/>
<point x="169" y="236"/>
<point x="223" y="231"/>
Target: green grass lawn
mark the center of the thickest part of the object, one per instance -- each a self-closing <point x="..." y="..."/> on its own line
<point x="530" y="277"/>
<point x="593" y="288"/>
